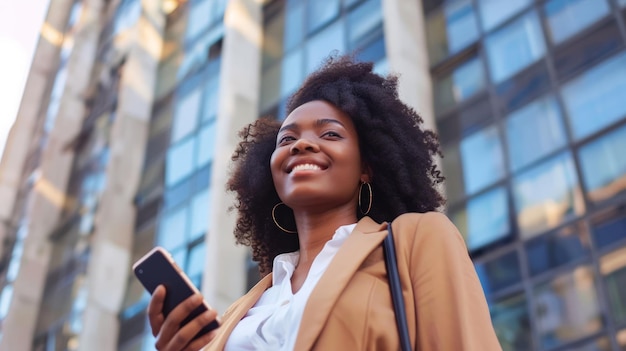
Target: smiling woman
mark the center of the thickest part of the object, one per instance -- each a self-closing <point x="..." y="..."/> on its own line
<point x="316" y="196"/>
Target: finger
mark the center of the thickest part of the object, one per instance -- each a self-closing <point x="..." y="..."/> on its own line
<point x="155" y="310"/>
<point x="171" y="325"/>
<point x="191" y="329"/>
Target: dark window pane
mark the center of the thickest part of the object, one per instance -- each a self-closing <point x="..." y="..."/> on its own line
<point x="609" y="228"/>
<point x="196" y="261"/>
<point x="273" y="38"/>
<point x="484" y="219"/>
<point x="600" y="344"/>
<point x="574" y="57"/>
<point x="511" y="323"/>
<point x="464" y="82"/>
<point x="514" y="47"/>
<point x="595" y="99"/>
<point x="546" y="195"/>
<point x="604" y="165"/>
<point x="494" y="12"/>
<point x="567" y="308"/>
<point x="613" y="268"/>
<point x="556" y="249"/>
<point x="524" y="88"/>
<point x="499" y="273"/>
<point x="374" y="52"/>
<point x="534" y="131"/>
<point x="450" y="29"/>
<point x="178" y="194"/>
<point x="568" y="17"/>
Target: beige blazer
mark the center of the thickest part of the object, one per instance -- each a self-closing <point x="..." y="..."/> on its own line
<point x="351" y="307"/>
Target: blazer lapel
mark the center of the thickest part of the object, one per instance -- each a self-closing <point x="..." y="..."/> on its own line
<point x="365" y="237"/>
<point x="237" y="311"/>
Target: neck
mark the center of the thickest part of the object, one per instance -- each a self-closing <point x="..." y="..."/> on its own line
<point x="315" y="229"/>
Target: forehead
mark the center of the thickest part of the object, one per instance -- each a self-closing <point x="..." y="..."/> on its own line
<point x="315" y="110"/>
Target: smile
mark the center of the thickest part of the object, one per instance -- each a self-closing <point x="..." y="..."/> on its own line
<point x="306" y="167"/>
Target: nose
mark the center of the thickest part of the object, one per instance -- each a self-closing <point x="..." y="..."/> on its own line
<point x="303" y="144"/>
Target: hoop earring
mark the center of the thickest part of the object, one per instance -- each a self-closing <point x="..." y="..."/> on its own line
<point x="369" y="205"/>
<point x="276" y="222"/>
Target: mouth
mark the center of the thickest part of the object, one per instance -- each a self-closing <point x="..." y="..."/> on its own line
<point x="306" y="167"/>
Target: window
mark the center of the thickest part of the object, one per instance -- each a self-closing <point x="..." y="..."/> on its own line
<point x="197" y="256"/>
<point x="514" y="47"/>
<point x="200" y="206"/>
<point x="292" y="72"/>
<point x="511" y="323"/>
<point x="604" y="165"/>
<point x="451" y="29"/>
<point x="546" y="194"/>
<point x="481" y="156"/>
<point x="211" y="99"/>
<point x="294" y="24"/>
<point x="534" y="131"/>
<point x="173" y="229"/>
<point x="484" y="220"/>
<point x="179" y="162"/>
<point x="613" y="269"/>
<point x="198" y="12"/>
<point x="609" y="228"/>
<point x="363" y="20"/>
<point x="186" y="115"/>
<point x="206" y="145"/>
<point x="568" y="17"/>
<point x="464" y="82"/>
<point x="567" y="308"/>
<point x="556" y="249"/>
<point x="595" y="99"/>
<point x="499" y="273"/>
<point x="494" y="12"/>
<point x="325" y="42"/>
<point x="126" y="15"/>
<point x="321" y="12"/>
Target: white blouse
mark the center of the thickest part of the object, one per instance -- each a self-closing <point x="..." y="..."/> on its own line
<point x="273" y="322"/>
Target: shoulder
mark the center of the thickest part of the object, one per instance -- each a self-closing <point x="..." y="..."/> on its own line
<point x="432" y="227"/>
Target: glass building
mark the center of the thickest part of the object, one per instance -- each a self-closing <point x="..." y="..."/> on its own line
<point x="528" y="98"/>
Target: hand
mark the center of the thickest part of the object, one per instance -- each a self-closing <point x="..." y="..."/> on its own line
<point x="170" y="336"/>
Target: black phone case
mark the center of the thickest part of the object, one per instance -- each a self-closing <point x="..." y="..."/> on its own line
<point x="158" y="270"/>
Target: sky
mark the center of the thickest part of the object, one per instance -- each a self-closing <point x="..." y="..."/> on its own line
<point x="20" y="22"/>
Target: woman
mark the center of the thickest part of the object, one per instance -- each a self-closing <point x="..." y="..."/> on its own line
<point x="349" y="158"/>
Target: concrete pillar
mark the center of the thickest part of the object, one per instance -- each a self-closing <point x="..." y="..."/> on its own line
<point x="407" y="54"/>
<point x="109" y="265"/>
<point x="225" y="273"/>
<point x="49" y="193"/>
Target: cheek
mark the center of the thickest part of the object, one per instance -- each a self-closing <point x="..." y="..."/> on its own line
<point x="276" y="165"/>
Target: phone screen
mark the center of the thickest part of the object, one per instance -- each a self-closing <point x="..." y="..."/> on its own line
<point x="157" y="268"/>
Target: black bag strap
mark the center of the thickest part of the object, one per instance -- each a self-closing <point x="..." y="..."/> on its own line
<point x="389" y="249"/>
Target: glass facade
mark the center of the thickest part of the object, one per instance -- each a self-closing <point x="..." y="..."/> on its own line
<point x="529" y="104"/>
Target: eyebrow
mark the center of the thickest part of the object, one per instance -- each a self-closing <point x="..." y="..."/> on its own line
<point x="318" y="123"/>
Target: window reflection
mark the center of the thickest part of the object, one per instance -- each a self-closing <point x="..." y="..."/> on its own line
<point x="567" y="308"/>
<point x="173" y="229"/>
<point x="604" y="165"/>
<point x="321" y="12"/>
<point x="547" y="194"/>
<point x="568" y="17"/>
<point x="450" y="29"/>
<point x="514" y="47"/>
<point x="292" y="72"/>
<point x="211" y="99"/>
<point x="363" y="20"/>
<point x="613" y="268"/>
<point x="198" y="12"/>
<point x="534" y="131"/>
<point x="511" y="323"/>
<point x="609" y="228"/>
<point x="600" y="344"/>
<point x="323" y="43"/>
<point x="200" y="213"/>
<point x="186" y="115"/>
<point x="179" y="161"/>
<point x="485" y="219"/>
<point x="494" y="12"/>
<point x="294" y="24"/>
<point x="596" y="98"/>
<point x="481" y="156"/>
<point x="499" y="273"/>
<point x="197" y="255"/>
<point x="556" y="249"/>
<point x="464" y="82"/>
<point x="206" y="145"/>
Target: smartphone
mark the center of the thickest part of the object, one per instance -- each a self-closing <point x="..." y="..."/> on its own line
<point x="158" y="268"/>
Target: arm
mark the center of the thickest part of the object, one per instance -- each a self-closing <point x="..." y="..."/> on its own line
<point x="452" y="313"/>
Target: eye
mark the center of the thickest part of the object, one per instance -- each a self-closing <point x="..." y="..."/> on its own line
<point x="285" y="139"/>
<point x="332" y="134"/>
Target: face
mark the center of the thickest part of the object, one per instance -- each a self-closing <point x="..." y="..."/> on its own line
<point x="317" y="161"/>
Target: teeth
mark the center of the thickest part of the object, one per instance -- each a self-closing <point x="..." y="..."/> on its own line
<point x="307" y="166"/>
